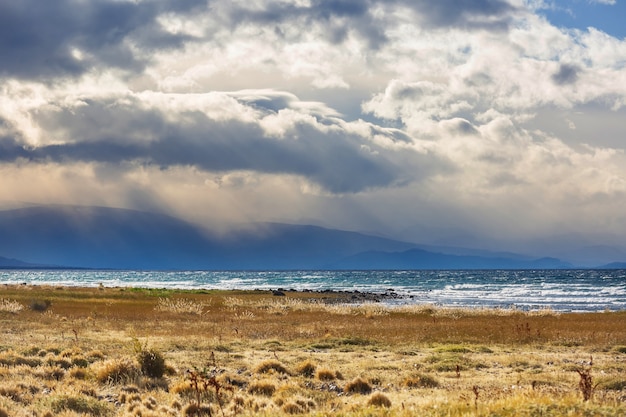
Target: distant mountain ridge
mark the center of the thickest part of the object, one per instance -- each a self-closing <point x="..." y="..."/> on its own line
<point x="100" y="237"/>
<point x="421" y="259"/>
<point x="15" y="263"/>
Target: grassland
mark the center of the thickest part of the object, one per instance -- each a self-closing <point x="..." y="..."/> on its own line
<point x="139" y="352"/>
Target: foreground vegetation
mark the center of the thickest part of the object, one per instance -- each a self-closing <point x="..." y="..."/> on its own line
<point x="138" y="352"/>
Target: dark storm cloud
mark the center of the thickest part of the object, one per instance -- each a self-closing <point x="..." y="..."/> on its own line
<point x="336" y="159"/>
<point x="37" y="38"/>
<point x="567" y="74"/>
<point x="468" y="14"/>
<point x="340" y="17"/>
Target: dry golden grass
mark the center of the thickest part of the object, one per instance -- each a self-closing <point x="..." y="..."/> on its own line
<point x="303" y="354"/>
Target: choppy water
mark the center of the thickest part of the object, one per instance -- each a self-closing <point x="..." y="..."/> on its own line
<point x="562" y="290"/>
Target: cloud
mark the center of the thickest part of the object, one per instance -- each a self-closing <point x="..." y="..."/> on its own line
<point x="567" y="74"/>
<point x="474" y="14"/>
<point x="264" y="131"/>
<point x="66" y="38"/>
<point x="370" y="115"/>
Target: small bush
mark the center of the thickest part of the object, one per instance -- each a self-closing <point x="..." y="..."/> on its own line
<point x="265" y="388"/>
<point x="420" y="381"/>
<point x="152" y="363"/>
<point x="620" y="349"/>
<point x="271" y="365"/>
<point x="306" y="368"/>
<point x="379" y="400"/>
<point x="358" y="386"/>
<point x="40" y="305"/>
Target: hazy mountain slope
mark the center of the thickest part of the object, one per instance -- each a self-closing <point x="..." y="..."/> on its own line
<point x="15" y="263"/>
<point x="100" y="237"/>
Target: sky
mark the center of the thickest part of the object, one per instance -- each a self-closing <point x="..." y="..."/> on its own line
<point x="496" y="124"/>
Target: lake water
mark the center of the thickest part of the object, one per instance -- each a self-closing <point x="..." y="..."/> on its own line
<point x="561" y="290"/>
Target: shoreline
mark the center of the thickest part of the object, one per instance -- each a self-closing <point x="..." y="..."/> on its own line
<point x="591" y="291"/>
<point x="389" y="299"/>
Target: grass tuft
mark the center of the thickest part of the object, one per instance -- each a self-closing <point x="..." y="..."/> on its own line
<point x="180" y="306"/>
<point x="117" y="371"/>
<point x="271" y="365"/>
<point x="82" y="405"/>
<point x="10" y="306"/>
<point x="263" y="387"/>
<point x="378" y="399"/>
<point x="325" y="374"/>
<point x="358" y="386"/>
<point x="306" y="368"/>
<point x="420" y="381"/>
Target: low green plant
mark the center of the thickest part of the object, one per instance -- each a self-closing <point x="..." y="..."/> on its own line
<point x="81" y="404"/>
<point x="615" y="384"/>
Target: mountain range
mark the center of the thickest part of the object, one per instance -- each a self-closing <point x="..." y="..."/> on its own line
<point x="100" y="237"/>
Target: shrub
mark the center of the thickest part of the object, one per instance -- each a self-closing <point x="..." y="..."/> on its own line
<point x="379" y="400"/>
<point x="358" y="386"/>
<point x="271" y="365"/>
<point x="40" y="305"/>
<point x="262" y="388"/>
<point x="306" y="368"/>
<point x="152" y="363"/>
